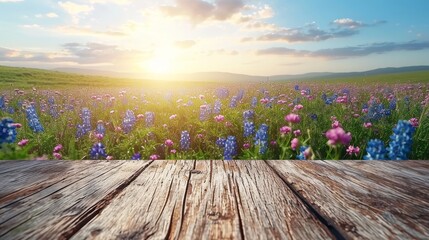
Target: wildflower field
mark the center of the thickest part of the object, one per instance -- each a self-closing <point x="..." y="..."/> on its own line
<point x="379" y="117"/>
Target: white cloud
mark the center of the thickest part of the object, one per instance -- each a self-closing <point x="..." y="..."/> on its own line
<point x="48" y="15"/>
<point x="118" y="2"/>
<point x="199" y="11"/>
<point x="51" y="15"/>
<point x="74" y="8"/>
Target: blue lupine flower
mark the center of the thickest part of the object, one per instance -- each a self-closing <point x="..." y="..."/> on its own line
<point x="220" y="142"/>
<point x="240" y="95"/>
<point x="217" y="107"/>
<point x="100" y="129"/>
<point x="7" y="131"/>
<point x="233" y="102"/>
<point x="249" y="128"/>
<point x="375" y="112"/>
<point x="392" y="104"/>
<point x="301" y="155"/>
<point x="149" y="119"/>
<point x="52" y="107"/>
<point x="307" y="91"/>
<point x="86" y="119"/>
<point x="254" y="102"/>
<point x="51" y="100"/>
<point x="85" y="127"/>
<point x="98" y="151"/>
<point x="261" y="138"/>
<point x="53" y="111"/>
<point x="2" y="103"/>
<point x="296" y="87"/>
<point x="375" y="150"/>
<point x="185" y="140"/>
<point x="222" y="93"/>
<point x="248" y="114"/>
<point x="136" y="156"/>
<point x="230" y="148"/>
<point x="190" y="103"/>
<point x="129" y="121"/>
<point x="324" y="97"/>
<point x="296" y="101"/>
<point x="346" y="91"/>
<point x="401" y="141"/>
<point x="407" y="101"/>
<point x="11" y="110"/>
<point x="313" y="116"/>
<point x="204" y="112"/>
<point x="33" y="119"/>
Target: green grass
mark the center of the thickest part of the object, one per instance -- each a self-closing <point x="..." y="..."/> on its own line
<point x="14" y="77"/>
<point x="143" y="96"/>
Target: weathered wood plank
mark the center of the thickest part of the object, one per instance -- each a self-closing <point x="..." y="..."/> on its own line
<point x="20" y="165"/>
<point x="268" y="208"/>
<point x="211" y="208"/>
<point x="18" y="184"/>
<point x="223" y="200"/>
<point x="151" y="207"/>
<point x="391" y="178"/>
<point x="68" y="204"/>
<point x="355" y="202"/>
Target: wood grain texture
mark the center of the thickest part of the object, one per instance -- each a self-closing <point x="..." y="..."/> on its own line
<point x="66" y="204"/>
<point x="211" y="210"/>
<point x="268" y="208"/>
<point x="18" y="184"/>
<point x="149" y="208"/>
<point x="360" y="202"/>
<point x="214" y="200"/>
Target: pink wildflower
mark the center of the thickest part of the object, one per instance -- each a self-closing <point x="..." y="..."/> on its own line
<point x="219" y="118"/>
<point x="367" y="125"/>
<point x="173" y="151"/>
<point x="154" y="157"/>
<point x="23" y="142"/>
<point x="58" y="148"/>
<point x="338" y="136"/>
<point x="298" y="107"/>
<point x="293" y="118"/>
<point x="414" y="122"/>
<point x="173" y="116"/>
<point x="336" y="124"/>
<point x="294" y="143"/>
<point x="168" y="143"/>
<point x="17" y="125"/>
<point x="57" y="156"/>
<point x="297" y="133"/>
<point x="109" y="157"/>
<point x="285" y="130"/>
<point x="353" y="150"/>
<point x="246" y="145"/>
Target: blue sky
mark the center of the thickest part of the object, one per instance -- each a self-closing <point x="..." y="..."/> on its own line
<point x="177" y="36"/>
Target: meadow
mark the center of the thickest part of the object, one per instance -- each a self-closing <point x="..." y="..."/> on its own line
<point x="53" y="115"/>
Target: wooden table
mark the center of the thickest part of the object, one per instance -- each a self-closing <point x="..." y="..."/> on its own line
<point x="214" y="199"/>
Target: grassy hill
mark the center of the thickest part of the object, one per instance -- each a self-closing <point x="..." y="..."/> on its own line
<point x="14" y="77"/>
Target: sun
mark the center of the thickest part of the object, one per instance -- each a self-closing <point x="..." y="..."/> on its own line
<point x="159" y="65"/>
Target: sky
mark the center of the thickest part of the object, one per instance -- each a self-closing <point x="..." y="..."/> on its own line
<point x="267" y="37"/>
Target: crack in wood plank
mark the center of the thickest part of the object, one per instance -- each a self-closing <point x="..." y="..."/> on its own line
<point x="96" y="209"/>
<point x="359" y="204"/>
<point x="61" y="214"/>
<point x="132" y="217"/>
<point x="310" y="206"/>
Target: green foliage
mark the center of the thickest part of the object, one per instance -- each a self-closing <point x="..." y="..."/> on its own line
<point x="141" y="97"/>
